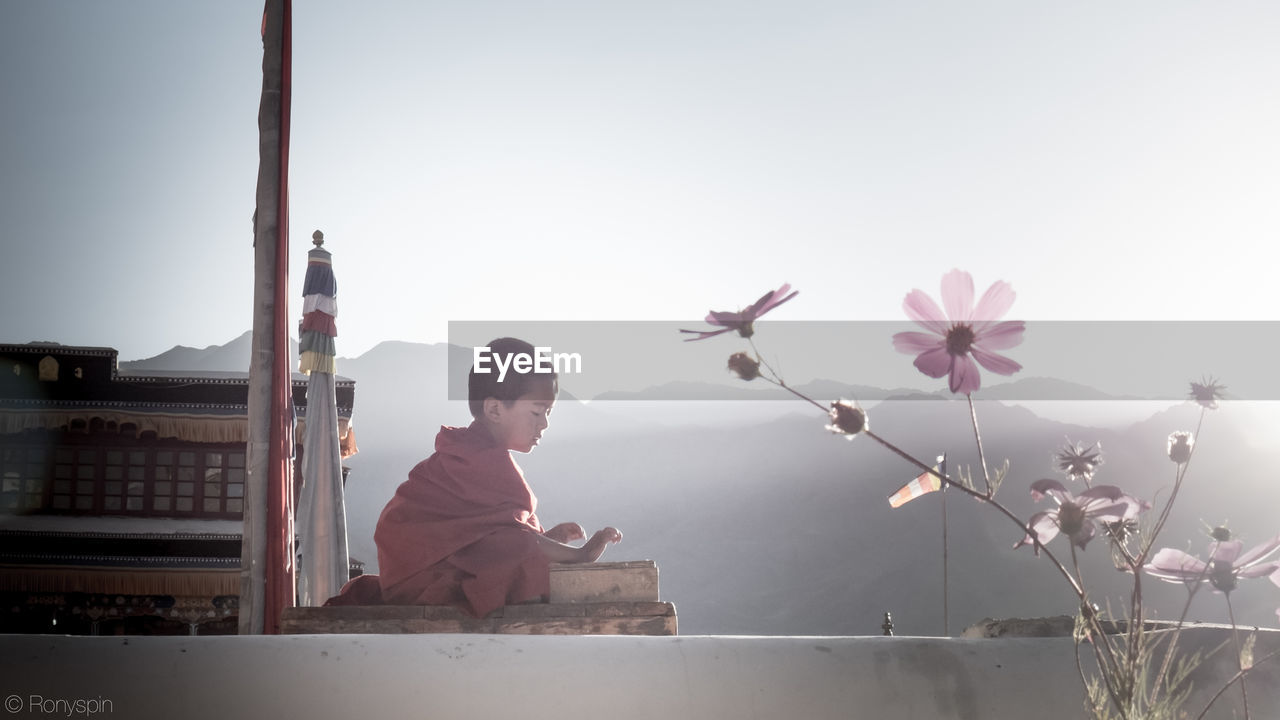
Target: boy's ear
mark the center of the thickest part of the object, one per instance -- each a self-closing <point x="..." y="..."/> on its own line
<point x="492" y="408"/>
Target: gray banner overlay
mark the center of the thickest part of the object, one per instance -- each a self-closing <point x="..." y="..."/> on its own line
<point x="1061" y="360"/>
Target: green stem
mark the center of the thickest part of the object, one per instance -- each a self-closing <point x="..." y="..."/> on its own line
<point x="1179" y="476"/>
<point x="797" y="393"/>
<point x="977" y="436"/>
<point x="1235" y="637"/>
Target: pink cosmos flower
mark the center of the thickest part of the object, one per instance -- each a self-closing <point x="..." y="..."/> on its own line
<point x="1226" y="564"/>
<point x="946" y="348"/>
<point x="1075" y="515"/>
<point x="741" y="321"/>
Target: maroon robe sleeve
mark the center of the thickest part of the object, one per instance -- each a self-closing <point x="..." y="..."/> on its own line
<point x="462" y="530"/>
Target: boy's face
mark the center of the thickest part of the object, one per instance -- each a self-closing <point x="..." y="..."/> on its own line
<point x="520" y="425"/>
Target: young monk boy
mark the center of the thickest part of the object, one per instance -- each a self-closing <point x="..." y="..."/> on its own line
<point x="462" y="530"/>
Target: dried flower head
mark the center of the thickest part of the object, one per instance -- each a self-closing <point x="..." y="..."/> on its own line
<point x="1120" y="533"/>
<point x="847" y="418"/>
<point x="1180" y="444"/>
<point x="1078" y="462"/>
<point x="1121" y="530"/>
<point x="1207" y="393"/>
<point x="744" y="366"/>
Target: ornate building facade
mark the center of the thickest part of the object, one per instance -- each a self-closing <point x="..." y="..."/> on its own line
<point x="122" y="493"/>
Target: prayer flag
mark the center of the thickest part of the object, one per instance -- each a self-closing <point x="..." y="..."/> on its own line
<point x="322" y="516"/>
<point x="924" y="483"/>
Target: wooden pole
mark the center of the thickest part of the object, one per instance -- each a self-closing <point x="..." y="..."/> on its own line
<point x="266" y="580"/>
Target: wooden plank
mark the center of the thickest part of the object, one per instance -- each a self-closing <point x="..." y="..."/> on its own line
<point x="356" y="626"/>
<point x="359" y="612"/>
<point x="634" y="581"/>
<point x="589" y="626"/>
<point x="641" y="618"/>
<point x="631" y="609"/>
<point x="596" y="610"/>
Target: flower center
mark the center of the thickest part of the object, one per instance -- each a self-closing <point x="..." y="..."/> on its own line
<point x="1222" y="576"/>
<point x="959" y="338"/>
<point x="1070" y="519"/>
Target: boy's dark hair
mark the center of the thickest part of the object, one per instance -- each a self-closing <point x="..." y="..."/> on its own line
<point x="515" y="384"/>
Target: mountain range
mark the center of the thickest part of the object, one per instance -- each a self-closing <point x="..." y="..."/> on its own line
<point x="763" y="522"/>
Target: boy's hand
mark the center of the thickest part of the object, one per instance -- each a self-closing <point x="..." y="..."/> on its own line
<point x="596" y="545"/>
<point x="566" y="532"/>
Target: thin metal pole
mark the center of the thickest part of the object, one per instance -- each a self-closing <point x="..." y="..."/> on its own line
<point x="946" y="604"/>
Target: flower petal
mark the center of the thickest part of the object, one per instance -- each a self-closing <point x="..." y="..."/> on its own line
<point x="920" y="307"/>
<point x="769" y="301"/>
<point x="1226" y="551"/>
<point x="1000" y="336"/>
<point x="995" y="302"/>
<point x="935" y="363"/>
<point x="957" y="295"/>
<point x="1102" y="492"/>
<point x="1082" y="538"/>
<point x="1258" y="570"/>
<point x="1110" y="512"/>
<point x="1258" y="553"/>
<point x="1176" y="566"/>
<point x="964" y="375"/>
<point x="917" y="342"/>
<point x="1050" y="487"/>
<point x="704" y="334"/>
<point x="721" y="317"/>
<point x="995" y="363"/>
<point x="1105" y="501"/>
<point x="1045" y="525"/>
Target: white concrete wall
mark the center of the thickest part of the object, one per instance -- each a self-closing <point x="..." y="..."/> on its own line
<point x="439" y="677"/>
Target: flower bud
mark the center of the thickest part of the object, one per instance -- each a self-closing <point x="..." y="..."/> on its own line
<point x="1180" y="444"/>
<point x="744" y="366"/>
<point x="847" y="418"/>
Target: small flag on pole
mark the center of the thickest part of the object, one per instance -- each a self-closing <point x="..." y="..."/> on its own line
<point x="925" y="483"/>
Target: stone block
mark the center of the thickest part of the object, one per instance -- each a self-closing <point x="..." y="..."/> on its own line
<point x="635" y="581"/>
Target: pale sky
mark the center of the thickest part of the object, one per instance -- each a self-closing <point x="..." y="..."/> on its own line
<point x="637" y="161"/>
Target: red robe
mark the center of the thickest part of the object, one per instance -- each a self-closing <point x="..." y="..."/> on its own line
<point x="462" y="530"/>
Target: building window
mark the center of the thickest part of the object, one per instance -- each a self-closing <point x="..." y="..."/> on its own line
<point x="48" y="369"/>
<point x="114" y="480"/>
<point x="11" y="479"/>
<point x="223" y="488"/>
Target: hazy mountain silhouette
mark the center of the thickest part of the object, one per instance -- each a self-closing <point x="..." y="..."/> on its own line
<point x="763" y="522"/>
<point x="232" y="356"/>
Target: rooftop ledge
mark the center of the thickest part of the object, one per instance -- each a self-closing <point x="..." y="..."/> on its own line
<point x="443" y="676"/>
